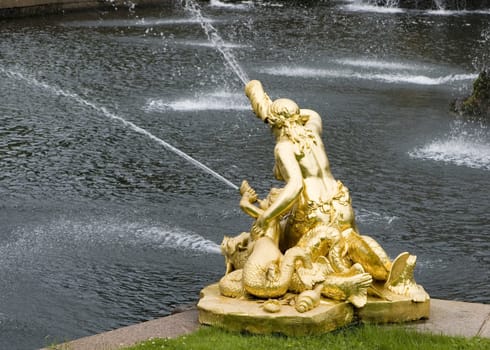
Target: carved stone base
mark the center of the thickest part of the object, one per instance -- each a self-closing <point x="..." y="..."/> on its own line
<point x="250" y="316"/>
<point x="394" y="309"/>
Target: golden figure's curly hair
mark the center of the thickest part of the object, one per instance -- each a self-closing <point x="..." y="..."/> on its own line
<point x="285" y="115"/>
<point x="281" y="110"/>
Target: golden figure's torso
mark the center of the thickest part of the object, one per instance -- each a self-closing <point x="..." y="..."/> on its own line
<point x="319" y="184"/>
<point x="323" y="200"/>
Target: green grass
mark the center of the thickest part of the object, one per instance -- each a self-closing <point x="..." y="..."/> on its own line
<point x="365" y="337"/>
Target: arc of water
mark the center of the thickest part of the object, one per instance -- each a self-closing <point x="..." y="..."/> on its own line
<point x="134" y="127"/>
<point x="194" y="9"/>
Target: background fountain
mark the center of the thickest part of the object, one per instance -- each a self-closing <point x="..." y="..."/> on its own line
<point x="102" y="226"/>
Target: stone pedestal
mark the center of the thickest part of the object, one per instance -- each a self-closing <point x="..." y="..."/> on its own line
<point x="250" y="316"/>
<point x="395" y="310"/>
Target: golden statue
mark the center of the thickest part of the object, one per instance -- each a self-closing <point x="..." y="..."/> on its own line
<point x="304" y="245"/>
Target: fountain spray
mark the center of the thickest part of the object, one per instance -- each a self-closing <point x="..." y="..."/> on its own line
<point x="59" y="92"/>
<point x="194" y="9"/>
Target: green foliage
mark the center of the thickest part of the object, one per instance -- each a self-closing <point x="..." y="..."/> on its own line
<point x="365" y="337"/>
<point x="481" y="86"/>
<point x="477" y="105"/>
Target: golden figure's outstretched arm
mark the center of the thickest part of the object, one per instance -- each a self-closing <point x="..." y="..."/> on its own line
<point x="258" y="98"/>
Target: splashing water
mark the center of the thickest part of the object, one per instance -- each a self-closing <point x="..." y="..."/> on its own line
<point x="392" y="78"/>
<point x="59" y="92"/>
<point x="465" y="145"/>
<point x="378" y="64"/>
<point x="371" y="6"/>
<point x="194" y="10"/>
<point x="368" y="216"/>
<point x="217" y="101"/>
<point x="234" y="6"/>
<point x="177" y="239"/>
<point x="32" y="241"/>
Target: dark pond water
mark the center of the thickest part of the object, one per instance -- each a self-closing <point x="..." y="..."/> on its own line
<point x="102" y="226"/>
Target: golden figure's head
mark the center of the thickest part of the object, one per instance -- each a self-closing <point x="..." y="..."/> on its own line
<point x="284" y="107"/>
<point x="282" y="110"/>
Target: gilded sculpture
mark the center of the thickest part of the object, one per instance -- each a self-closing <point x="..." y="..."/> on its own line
<point x="304" y="247"/>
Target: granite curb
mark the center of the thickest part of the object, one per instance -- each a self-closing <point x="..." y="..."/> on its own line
<point x="452" y="318"/>
<point x="165" y="327"/>
<point x="456" y="318"/>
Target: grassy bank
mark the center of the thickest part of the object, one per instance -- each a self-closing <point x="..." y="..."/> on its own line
<point x="365" y="337"/>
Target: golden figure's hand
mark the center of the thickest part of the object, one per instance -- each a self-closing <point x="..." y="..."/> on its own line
<point x="252" y="85"/>
<point x="247" y="192"/>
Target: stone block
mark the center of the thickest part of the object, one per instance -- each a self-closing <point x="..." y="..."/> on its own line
<point x="249" y="316"/>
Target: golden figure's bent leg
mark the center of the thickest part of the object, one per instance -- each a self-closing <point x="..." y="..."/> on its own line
<point x="378" y="250"/>
<point x="317" y="241"/>
<point x="338" y="258"/>
<point x="361" y="252"/>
